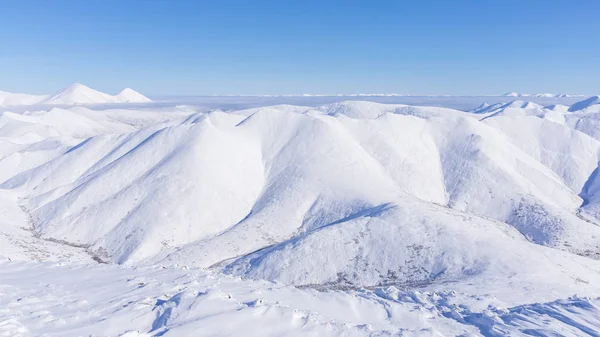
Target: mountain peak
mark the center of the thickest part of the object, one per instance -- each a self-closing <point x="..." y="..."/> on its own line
<point x="520" y="104"/>
<point x="129" y="95"/>
<point x="77" y="85"/>
<point x="78" y="93"/>
<point x="127" y="91"/>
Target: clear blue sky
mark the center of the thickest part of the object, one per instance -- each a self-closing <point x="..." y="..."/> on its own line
<point x="282" y="47"/>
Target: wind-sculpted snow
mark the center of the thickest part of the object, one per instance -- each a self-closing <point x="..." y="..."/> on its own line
<point x="78" y="300"/>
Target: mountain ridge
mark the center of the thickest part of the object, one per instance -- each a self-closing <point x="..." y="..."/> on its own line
<point x="75" y="94"/>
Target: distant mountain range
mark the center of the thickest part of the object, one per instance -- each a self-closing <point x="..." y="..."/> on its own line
<point x="76" y="93"/>
<point x="516" y="94"/>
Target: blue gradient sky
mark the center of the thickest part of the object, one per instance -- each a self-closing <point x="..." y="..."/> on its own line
<point x="283" y="47"/>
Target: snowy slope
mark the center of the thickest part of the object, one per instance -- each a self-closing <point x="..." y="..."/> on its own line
<point x="571" y="154"/>
<point x="407" y="244"/>
<point x="516" y="108"/>
<point x="557" y="136"/>
<point x="9" y="99"/>
<point x="78" y="93"/>
<point x="31" y="138"/>
<point x="584" y="116"/>
<point x="75" y="300"/>
<point x="558" y="107"/>
<point x="587" y="105"/>
<point x="18" y="244"/>
<point x="486" y="108"/>
<point x="128" y="95"/>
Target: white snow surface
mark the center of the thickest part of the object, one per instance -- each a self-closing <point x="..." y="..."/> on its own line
<point x="59" y="299"/>
<point x="349" y="218"/>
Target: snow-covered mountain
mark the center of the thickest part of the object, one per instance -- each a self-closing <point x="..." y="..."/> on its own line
<point x="485" y="108"/>
<point x="129" y="95"/>
<point x="546" y="95"/>
<point x="76" y="93"/>
<point x="591" y="104"/>
<point x="514" y="108"/>
<point x="80" y="94"/>
<point x="495" y="208"/>
<point x="240" y="174"/>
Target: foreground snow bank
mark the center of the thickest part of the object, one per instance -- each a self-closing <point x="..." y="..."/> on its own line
<point x="95" y="300"/>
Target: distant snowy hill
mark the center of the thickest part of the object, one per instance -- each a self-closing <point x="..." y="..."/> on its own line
<point x="515" y="108"/>
<point x="592" y="103"/>
<point x="7" y="99"/>
<point x="128" y="95"/>
<point x="74" y="94"/>
<point x="80" y="94"/>
<point x="516" y="94"/>
<point x="486" y="108"/>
